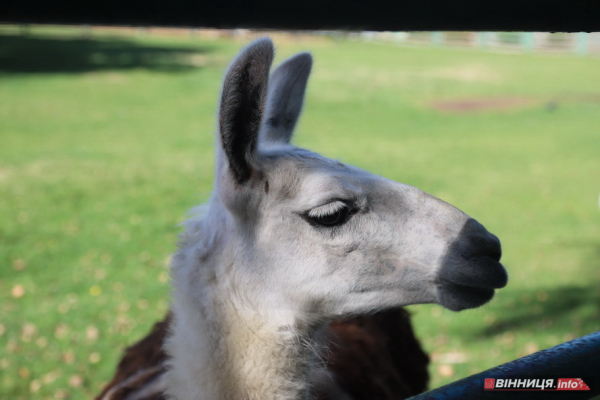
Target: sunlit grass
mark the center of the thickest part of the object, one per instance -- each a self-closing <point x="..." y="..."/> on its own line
<point x="98" y="167"/>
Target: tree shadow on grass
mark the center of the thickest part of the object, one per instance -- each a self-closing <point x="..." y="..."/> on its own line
<point x="44" y="54"/>
<point x="569" y="307"/>
<point x="540" y="309"/>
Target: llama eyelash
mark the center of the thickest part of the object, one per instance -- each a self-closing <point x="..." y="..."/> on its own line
<point x="327" y="209"/>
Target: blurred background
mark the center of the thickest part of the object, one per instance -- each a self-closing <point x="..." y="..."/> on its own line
<point x="106" y="140"/>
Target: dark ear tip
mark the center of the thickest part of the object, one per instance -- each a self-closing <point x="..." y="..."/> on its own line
<point x="256" y="60"/>
<point x="263" y="42"/>
<point x="261" y="49"/>
<point x="302" y="58"/>
<point x="301" y="63"/>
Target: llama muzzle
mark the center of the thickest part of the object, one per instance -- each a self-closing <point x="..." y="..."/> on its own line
<point x="471" y="269"/>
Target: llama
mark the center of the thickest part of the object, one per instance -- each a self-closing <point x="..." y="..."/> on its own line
<point x="291" y="240"/>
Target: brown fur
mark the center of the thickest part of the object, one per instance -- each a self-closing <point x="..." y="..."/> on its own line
<point x="144" y="362"/>
<point x="375" y="357"/>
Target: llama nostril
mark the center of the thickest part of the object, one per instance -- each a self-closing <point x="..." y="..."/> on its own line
<point x="490" y="248"/>
<point x="475" y="241"/>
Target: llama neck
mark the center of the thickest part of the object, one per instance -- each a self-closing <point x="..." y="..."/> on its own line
<point x="233" y="354"/>
<point x="220" y="347"/>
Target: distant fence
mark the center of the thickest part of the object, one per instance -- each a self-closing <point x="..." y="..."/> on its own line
<point x="582" y="43"/>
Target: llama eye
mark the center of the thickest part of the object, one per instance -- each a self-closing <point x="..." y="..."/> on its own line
<point x="332" y="214"/>
<point x="336" y="218"/>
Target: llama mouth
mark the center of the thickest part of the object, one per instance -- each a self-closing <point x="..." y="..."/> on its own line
<point x="472" y="286"/>
<point x="456" y="297"/>
<point x="475" y="272"/>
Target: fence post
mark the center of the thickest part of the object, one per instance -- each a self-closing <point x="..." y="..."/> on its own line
<point x="483" y="39"/>
<point x="528" y="41"/>
<point x="400" y="36"/>
<point x="436" y="38"/>
<point x="582" y="43"/>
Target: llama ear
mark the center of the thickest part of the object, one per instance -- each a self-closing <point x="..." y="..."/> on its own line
<point x="287" y="85"/>
<point x="242" y="104"/>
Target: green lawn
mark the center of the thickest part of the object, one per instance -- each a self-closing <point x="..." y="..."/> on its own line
<point x="105" y="143"/>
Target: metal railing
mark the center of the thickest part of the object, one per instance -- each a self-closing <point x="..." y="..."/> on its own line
<point x="578" y="358"/>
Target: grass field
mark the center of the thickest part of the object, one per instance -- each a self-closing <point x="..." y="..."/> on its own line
<point x="106" y="142"/>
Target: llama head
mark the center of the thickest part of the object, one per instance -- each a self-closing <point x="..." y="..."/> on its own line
<point x="321" y="238"/>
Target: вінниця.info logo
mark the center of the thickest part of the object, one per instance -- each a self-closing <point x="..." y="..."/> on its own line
<point x="534" y="384"/>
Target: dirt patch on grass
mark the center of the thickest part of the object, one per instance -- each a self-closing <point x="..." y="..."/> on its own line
<point x="478" y="104"/>
<point x="482" y="104"/>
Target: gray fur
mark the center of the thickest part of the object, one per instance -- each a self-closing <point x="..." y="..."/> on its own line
<point x="287" y="85"/>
